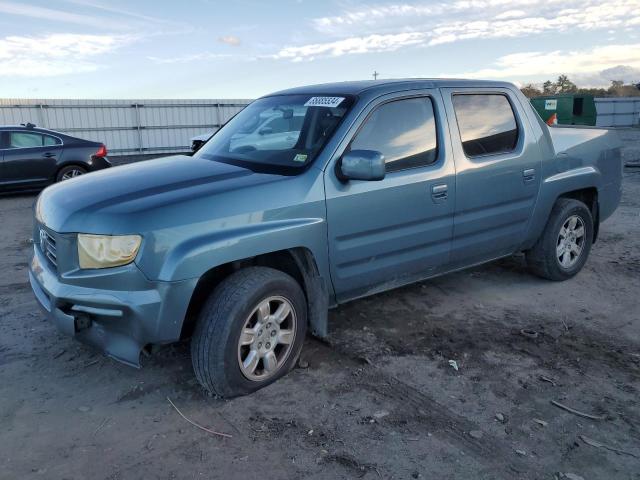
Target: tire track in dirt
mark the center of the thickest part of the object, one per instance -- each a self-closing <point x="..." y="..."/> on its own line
<point x="13" y="288"/>
<point x="450" y="426"/>
<point x="418" y="407"/>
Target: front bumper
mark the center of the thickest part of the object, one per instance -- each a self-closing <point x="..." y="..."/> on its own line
<point x="122" y="316"/>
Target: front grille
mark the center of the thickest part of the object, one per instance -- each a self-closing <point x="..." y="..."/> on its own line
<point x="48" y="247"/>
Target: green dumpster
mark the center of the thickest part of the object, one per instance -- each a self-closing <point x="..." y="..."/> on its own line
<point x="570" y="109"/>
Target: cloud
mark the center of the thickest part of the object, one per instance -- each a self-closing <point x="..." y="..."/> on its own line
<point x="370" y="43"/>
<point x="230" y="40"/>
<point x="403" y="14"/>
<point x="192" y="57"/>
<point x="101" y="16"/>
<point x="603" y="16"/>
<point x="592" y="67"/>
<point x="624" y="73"/>
<point x="389" y="27"/>
<point x="510" y="14"/>
<point x="119" y="11"/>
<point x="61" y="16"/>
<point x="373" y="16"/>
<point x="55" y="54"/>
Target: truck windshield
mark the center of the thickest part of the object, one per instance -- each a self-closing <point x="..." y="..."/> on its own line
<point x="278" y="134"/>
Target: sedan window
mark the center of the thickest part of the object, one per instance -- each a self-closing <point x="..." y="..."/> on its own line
<point x="49" y="140"/>
<point x="25" y="140"/>
<point x="31" y="139"/>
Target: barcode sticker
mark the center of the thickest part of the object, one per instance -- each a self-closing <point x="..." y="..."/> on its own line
<point x="330" y="102"/>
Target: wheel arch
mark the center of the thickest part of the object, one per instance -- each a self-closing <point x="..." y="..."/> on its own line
<point x="297" y="262"/>
<point x="582" y="184"/>
<point x="588" y="196"/>
<point x="70" y="163"/>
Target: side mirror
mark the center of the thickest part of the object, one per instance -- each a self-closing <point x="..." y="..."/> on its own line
<point x="362" y="165"/>
<point x="265" y="131"/>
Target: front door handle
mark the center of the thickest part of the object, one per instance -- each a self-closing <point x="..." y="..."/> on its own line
<point x="529" y="175"/>
<point x="439" y="192"/>
<point x="48" y="155"/>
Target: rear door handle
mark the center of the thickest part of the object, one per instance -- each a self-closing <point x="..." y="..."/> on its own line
<point x="529" y="175"/>
<point x="48" y="155"/>
<point x="439" y="192"/>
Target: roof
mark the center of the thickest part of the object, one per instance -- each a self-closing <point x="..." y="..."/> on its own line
<point x="381" y="86"/>
<point x="29" y="129"/>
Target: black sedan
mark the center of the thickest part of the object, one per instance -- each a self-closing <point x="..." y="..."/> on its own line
<point x="32" y="158"/>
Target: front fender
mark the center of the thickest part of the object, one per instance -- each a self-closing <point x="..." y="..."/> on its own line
<point x="193" y="257"/>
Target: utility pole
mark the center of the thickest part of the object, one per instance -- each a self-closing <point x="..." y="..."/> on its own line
<point x="375" y="75"/>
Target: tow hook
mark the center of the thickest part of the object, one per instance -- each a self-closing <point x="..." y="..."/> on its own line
<point x="82" y="322"/>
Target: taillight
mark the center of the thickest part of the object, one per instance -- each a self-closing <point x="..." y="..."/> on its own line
<point x="102" y="151"/>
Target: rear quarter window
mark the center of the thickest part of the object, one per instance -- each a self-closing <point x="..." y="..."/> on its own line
<point x="486" y="122"/>
<point x="49" y="140"/>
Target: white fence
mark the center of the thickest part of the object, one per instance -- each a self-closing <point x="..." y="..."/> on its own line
<point x="617" y="111"/>
<point x="125" y="126"/>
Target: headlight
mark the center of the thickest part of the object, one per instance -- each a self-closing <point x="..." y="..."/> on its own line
<point x="104" y="251"/>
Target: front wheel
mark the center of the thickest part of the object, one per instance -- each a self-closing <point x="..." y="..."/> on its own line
<point x="250" y="332"/>
<point x="565" y="243"/>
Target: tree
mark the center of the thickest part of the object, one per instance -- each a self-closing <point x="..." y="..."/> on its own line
<point x="531" y="91"/>
<point x="548" y="88"/>
<point x="564" y="85"/>
<point x="619" y="89"/>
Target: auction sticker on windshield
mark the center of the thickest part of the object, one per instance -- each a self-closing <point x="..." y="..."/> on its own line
<point x="330" y="102"/>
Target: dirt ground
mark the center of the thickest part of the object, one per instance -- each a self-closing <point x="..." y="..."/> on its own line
<point x="380" y="399"/>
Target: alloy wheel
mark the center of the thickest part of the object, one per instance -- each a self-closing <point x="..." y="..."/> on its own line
<point x="267" y="338"/>
<point x="570" y="241"/>
<point x="72" y="173"/>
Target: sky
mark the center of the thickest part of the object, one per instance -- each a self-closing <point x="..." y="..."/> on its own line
<point x="246" y="48"/>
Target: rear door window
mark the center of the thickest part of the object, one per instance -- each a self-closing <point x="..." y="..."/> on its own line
<point x="486" y="122"/>
<point x="25" y="140"/>
<point x="31" y="139"/>
<point x="404" y="131"/>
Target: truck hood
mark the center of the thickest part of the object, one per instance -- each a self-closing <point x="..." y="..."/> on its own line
<point x="126" y="198"/>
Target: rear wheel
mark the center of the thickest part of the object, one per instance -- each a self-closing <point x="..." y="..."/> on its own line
<point x="70" y="171"/>
<point x="249" y="332"/>
<point x="563" y="247"/>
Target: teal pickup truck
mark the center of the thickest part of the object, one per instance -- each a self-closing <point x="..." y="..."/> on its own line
<point x="244" y="246"/>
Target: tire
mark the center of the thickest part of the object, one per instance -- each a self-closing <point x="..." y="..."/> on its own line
<point x="70" y="171"/>
<point x="544" y="259"/>
<point x="217" y="357"/>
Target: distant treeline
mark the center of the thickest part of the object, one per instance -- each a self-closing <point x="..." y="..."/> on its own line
<point x="564" y="85"/>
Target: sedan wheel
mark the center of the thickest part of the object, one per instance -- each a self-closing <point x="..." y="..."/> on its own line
<point x="72" y="173"/>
